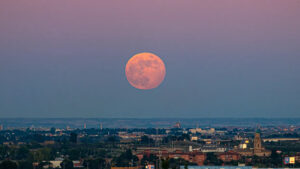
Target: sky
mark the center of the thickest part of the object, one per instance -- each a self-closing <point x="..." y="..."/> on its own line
<point x="224" y="58"/>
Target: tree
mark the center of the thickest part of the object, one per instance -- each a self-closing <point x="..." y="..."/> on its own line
<point x="146" y="140"/>
<point x="73" y="138"/>
<point x="67" y="164"/>
<point x="276" y="159"/>
<point x="4" y="152"/>
<point x="95" y="163"/>
<point x="43" y="154"/>
<point x="43" y="165"/>
<point x="211" y="158"/>
<point x="165" y="164"/>
<point x="184" y="137"/>
<point x="186" y="166"/>
<point x="7" y="164"/>
<point x="52" y="130"/>
<point x="112" y="139"/>
<point x="151" y="159"/>
<point x="22" y="153"/>
<point x="38" y="138"/>
<point x="126" y="159"/>
<point x="25" y="165"/>
<point x="176" y="163"/>
<point x="74" y="154"/>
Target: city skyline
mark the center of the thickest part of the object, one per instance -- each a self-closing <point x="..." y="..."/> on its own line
<point x="147" y="122"/>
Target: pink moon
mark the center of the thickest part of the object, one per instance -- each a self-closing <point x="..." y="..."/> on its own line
<point x="145" y="71"/>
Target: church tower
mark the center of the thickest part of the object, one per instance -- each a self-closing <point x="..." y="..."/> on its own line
<point x="257" y="143"/>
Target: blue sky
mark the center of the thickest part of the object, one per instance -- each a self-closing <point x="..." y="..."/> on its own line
<point x="223" y="59"/>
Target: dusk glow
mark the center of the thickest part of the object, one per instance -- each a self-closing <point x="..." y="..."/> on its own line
<point x="224" y="58"/>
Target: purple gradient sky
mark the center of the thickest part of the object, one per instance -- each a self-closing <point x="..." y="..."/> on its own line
<point x="224" y="58"/>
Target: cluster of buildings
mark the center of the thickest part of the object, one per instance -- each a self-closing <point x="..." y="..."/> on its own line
<point x="198" y="155"/>
<point x="57" y="163"/>
<point x="193" y="157"/>
<point x="257" y="150"/>
<point x="203" y="131"/>
<point x="193" y="149"/>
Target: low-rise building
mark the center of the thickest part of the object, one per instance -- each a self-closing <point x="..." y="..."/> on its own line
<point x="125" y="167"/>
<point x="194" y="157"/>
<point x="229" y="156"/>
<point x="210" y="148"/>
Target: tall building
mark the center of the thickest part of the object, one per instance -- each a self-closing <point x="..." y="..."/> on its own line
<point x="257" y="143"/>
<point x="1" y="127"/>
<point x="84" y="126"/>
<point x="257" y="150"/>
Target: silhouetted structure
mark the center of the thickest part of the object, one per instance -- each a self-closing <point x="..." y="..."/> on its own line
<point x="73" y="138"/>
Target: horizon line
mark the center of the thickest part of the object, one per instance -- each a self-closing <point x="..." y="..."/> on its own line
<point x="150" y="117"/>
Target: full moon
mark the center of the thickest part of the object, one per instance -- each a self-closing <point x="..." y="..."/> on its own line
<point x="145" y="71"/>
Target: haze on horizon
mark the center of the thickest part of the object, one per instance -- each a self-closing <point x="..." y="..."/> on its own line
<point x="223" y="58"/>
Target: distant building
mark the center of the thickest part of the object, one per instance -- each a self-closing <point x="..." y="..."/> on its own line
<point x="77" y="164"/>
<point x="177" y="125"/>
<point x="217" y="167"/>
<point x="48" y="142"/>
<point x="212" y="149"/>
<point x="229" y="156"/>
<point x="297" y="157"/>
<point x="125" y="167"/>
<point x="150" y="166"/>
<point x="280" y="139"/>
<point x="194" y="138"/>
<point x="243" y="146"/>
<point x="1" y="127"/>
<point x="194" y="157"/>
<point x="8" y="143"/>
<point x="56" y="163"/>
<point x="202" y="131"/>
<point x="258" y="149"/>
<point x="238" y="137"/>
